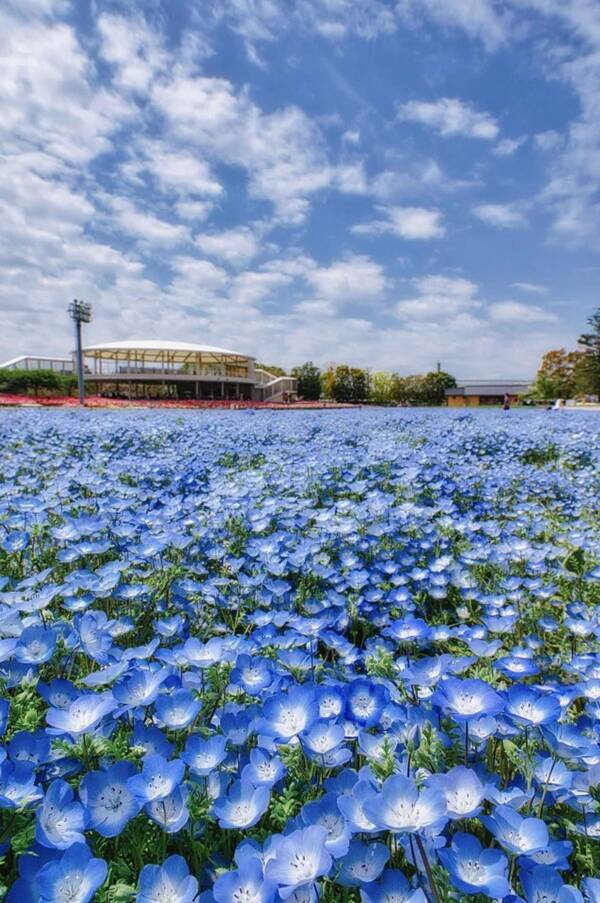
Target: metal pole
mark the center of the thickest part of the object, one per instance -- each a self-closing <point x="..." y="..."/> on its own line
<point x="80" y="382"/>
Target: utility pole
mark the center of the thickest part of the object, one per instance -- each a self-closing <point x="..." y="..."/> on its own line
<point x="80" y="312"/>
<point x="439" y="367"/>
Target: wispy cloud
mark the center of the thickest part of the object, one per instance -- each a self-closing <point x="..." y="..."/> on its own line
<point x="450" y="116"/>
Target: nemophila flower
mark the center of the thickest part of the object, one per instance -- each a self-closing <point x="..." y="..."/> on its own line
<point x="473" y="869"/>
<point x="151" y="739"/>
<point x="263" y="769"/>
<point x="236" y="726"/>
<point x="362" y="864"/>
<point x="203" y="655"/>
<point x="59" y="693"/>
<point x="352" y="806"/>
<point x="94" y="638"/>
<point x="170" y="812"/>
<point x="35" y="646"/>
<point x="286" y="715"/>
<point x="516" y="666"/>
<point x="203" y="756"/>
<point x="331" y="701"/>
<point x="18" y="786"/>
<point x="109" y="801"/>
<point x="322" y="737"/>
<point x="326" y="813"/>
<point x="177" y="710"/>
<point x="546" y="884"/>
<point x="74" y="878"/>
<point x="83" y="714"/>
<point x="392" y="887"/>
<point x="556" y="854"/>
<point x="402" y="808"/>
<point x="60" y="821"/>
<point x="157" y="779"/>
<point x="552" y="774"/>
<point x="300" y="858"/>
<point x="466" y="699"/>
<point x="518" y="835"/>
<point x="252" y="674"/>
<point x="170" y="882"/>
<point x="243" y="805"/>
<point x="569" y="742"/>
<point x="591" y="890"/>
<point x="528" y="708"/>
<point x="29" y="746"/>
<point x="365" y="701"/>
<point x="377" y="746"/>
<point x="246" y="884"/>
<point x="462" y="789"/>
<point x="140" y="687"/>
<point x="514" y="795"/>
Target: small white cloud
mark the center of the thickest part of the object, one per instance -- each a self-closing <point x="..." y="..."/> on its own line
<point x="235" y="246"/>
<point x="531" y="287"/>
<point x="508" y="146"/>
<point x="516" y="312"/>
<point x="504" y="216"/>
<point x="146" y="226"/>
<point x="409" y="223"/>
<point x="439" y="296"/>
<point x="548" y="141"/>
<point x="352" y="136"/>
<point x="451" y="116"/>
<point x="354" y="278"/>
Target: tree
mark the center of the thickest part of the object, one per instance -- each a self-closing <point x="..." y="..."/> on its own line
<point x="346" y="384"/>
<point x="310" y="381"/>
<point x="433" y="387"/>
<point x="382" y="388"/>
<point x="36" y="381"/>
<point x="591" y="343"/>
<point x="562" y="374"/>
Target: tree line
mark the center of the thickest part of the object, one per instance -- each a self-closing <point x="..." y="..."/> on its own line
<point x="345" y="384"/>
<point x="37" y="382"/>
<point x="572" y="374"/>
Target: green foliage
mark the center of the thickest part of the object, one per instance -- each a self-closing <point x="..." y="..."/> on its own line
<point x="346" y="384"/>
<point x="310" y="381"/>
<point x="37" y="382"/>
<point x="271" y="368"/>
<point x="591" y="342"/>
<point x="423" y="390"/>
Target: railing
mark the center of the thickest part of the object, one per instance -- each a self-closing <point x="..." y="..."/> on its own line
<point x="278" y="386"/>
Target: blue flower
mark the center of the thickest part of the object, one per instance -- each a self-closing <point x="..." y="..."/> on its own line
<point x="170" y="812"/>
<point x="18" y="788"/>
<point x="299" y="859"/>
<point x="176" y="710"/>
<point x="170" y="881"/>
<point x="529" y="708"/>
<point x="325" y="812"/>
<point x="140" y="687"/>
<point x="286" y="715"/>
<point x="545" y="883"/>
<point x="76" y="876"/>
<point x="157" y="780"/>
<point x="516" y="834"/>
<point x="365" y="701"/>
<point x="363" y="863"/>
<point x="242" y="806"/>
<point x="36" y="645"/>
<point x="263" y="770"/>
<point x="252" y="674"/>
<point x="466" y="699"/>
<point x="392" y="887"/>
<point x="203" y="756"/>
<point x="247" y="884"/>
<point x="402" y="808"/>
<point x="83" y="714"/>
<point x="60" y="821"/>
<point x="473" y="869"/>
<point x="462" y="789"/>
<point x="108" y="799"/>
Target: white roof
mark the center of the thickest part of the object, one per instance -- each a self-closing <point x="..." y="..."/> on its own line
<point x="159" y="345"/>
<point x="35" y="357"/>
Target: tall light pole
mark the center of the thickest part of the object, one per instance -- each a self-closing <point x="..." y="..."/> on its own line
<point x="80" y="312"/>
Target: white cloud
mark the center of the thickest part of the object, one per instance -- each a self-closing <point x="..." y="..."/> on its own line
<point x="234" y="246"/>
<point x="132" y="49"/>
<point x="481" y="19"/>
<point x="531" y="287"/>
<point x="177" y="170"/>
<point x="508" y="146"/>
<point x="438" y="297"/>
<point x="409" y="223"/>
<point x="516" y="312"/>
<point x="504" y="216"/>
<point x="145" y="226"/>
<point x="548" y="141"/>
<point x="355" y="278"/>
<point x="450" y="116"/>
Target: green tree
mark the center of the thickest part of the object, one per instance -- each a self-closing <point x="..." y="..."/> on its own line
<point x="591" y="343"/>
<point x="47" y="382"/>
<point x="310" y="381"/>
<point x="562" y="374"/>
<point x="433" y="387"/>
<point x="346" y="384"/>
<point x="382" y="388"/>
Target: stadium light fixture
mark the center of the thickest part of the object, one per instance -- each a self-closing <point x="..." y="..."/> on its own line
<point x="80" y="312"/>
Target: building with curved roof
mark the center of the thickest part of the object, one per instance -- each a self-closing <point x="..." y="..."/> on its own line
<point x="154" y="368"/>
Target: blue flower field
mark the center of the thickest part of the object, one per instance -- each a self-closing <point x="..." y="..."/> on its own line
<point x="335" y="655"/>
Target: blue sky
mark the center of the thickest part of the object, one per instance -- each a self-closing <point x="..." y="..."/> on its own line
<point x="387" y="184"/>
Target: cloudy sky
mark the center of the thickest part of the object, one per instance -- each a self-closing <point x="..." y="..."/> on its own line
<point x="387" y="183"/>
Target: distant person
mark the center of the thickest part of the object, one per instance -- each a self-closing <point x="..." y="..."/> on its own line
<point x="506" y="403"/>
